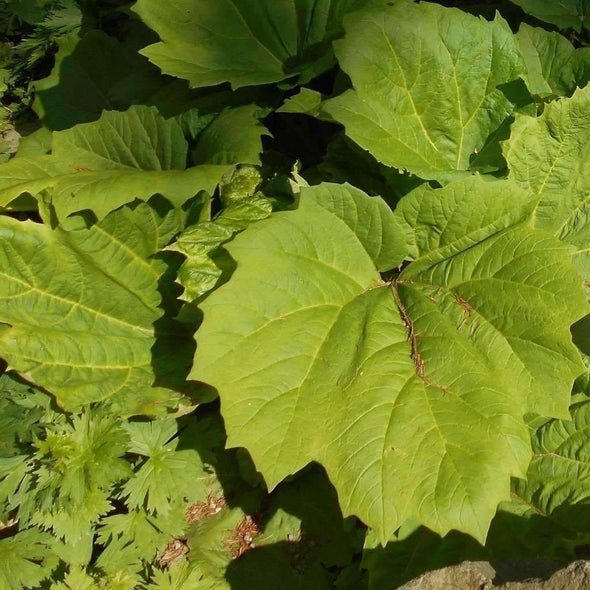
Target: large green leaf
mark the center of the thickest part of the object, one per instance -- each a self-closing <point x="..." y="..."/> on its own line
<point x="426" y="85"/>
<point x="243" y="42"/>
<point x="565" y="14"/>
<point x="81" y="307"/>
<point x="394" y="386"/>
<point x="105" y="164"/>
<point x="554" y="67"/>
<point x="550" y="156"/>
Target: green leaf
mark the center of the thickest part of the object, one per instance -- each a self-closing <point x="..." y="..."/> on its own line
<point x="182" y="577"/>
<point x="243" y="42"/>
<point x="18" y="416"/>
<point x="66" y="484"/>
<point x="103" y="165"/>
<point x="368" y="389"/>
<point x="541" y="369"/>
<point x="26" y="559"/>
<point x="135" y="536"/>
<point x="554" y="67"/>
<point x="286" y="545"/>
<point x="426" y="85"/>
<point x="549" y="156"/>
<point x="565" y="14"/>
<point x="37" y="143"/>
<point x="81" y="306"/>
<point x="76" y="579"/>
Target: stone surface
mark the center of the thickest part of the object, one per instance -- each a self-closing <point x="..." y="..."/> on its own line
<point x="525" y="575"/>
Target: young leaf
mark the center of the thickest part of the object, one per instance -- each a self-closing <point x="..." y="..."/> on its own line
<point x="168" y="474"/>
<point x="368" y="388"/>
<point x="550" y="157"/>
<point x="243" y="42"/>
<point x="69" y="477"/>
<point x="81" y="307"/>
<point x="105" y="164"/>
<point x="426" y="85"/>
<point x="200" y="273"/>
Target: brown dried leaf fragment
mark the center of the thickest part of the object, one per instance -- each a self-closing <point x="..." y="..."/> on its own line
<point x="174" y="551"/>
<point x="7" y="524"/>
<point x="242" y="538"/>
<point x="201" y="510"/>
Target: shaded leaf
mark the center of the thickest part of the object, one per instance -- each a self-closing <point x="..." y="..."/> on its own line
<point x="235" y="136"/>
<point x="565" y="14"/>
<point x="96" y="73"/>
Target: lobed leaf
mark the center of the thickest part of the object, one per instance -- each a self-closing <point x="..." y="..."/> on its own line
<point x="366" y="388"/>
<point x="545" y="518"/>
<point x="554" y="67"/>
<point x="26" y="559"/>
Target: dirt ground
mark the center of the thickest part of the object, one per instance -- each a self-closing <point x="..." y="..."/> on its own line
<point x="524" y="575"/>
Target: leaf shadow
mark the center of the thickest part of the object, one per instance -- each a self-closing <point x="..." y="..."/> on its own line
<point x="300" y="538"/>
